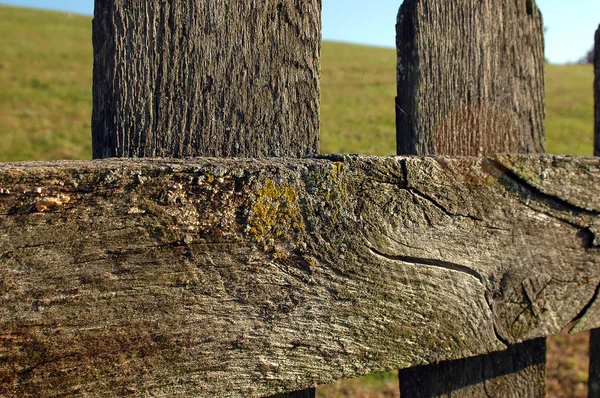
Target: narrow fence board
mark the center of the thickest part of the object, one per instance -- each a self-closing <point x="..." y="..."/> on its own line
<point x="213" y="277"/>
<point x="483" y="376"/>
<point x="597" y="93"/>
<point x="471" y="82"/>
<point x="594" y="372"/>
<point x="206" y="78"/>
<point x="474" y="68"/>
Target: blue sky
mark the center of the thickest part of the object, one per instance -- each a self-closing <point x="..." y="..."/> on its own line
<point x="571" y="23"/>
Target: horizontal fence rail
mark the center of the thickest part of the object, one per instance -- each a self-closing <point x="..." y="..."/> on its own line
<point x="214" y="277"/>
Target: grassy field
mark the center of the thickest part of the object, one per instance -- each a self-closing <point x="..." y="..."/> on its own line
<point x="45" y="93"/>
<point x="45" y="111"/>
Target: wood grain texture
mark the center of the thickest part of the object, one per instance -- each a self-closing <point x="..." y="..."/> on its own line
<point x="597" y="93"/>
<point x="465" y="88"/>
<point x="474" y="68"/>
<point x="594" y="372"/>
<point x="482" y="376"/>
<point x="213" y="277"/>
<point x="206" y="78"/>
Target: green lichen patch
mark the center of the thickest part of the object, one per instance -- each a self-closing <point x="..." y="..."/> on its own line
<point x="275" y="212"/>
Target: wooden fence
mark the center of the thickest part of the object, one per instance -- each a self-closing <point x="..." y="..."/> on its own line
<point x="267" y="274"/>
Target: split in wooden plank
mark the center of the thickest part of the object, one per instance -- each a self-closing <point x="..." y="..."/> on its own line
<point x="207" y="277"/>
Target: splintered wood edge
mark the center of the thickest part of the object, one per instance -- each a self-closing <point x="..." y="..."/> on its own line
<point x="245" y="277"/>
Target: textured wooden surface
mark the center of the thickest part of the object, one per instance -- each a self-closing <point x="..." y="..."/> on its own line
<point x="217" y="79"/>
<point x="465" y="88"/>
<point x="242" y="277"/>
<point x="206" y="78"/>
<point x="499" y="374"/>
<point x="472" y="67"/>
<point x="594" y="373"/>
<point x="597" y="92"/>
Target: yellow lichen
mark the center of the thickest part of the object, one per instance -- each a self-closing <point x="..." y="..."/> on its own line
<point x="275" y="212"/>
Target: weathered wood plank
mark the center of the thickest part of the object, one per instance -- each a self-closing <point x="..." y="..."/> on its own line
<point x="594" y="372"/>
<point x="241" y="277"/>
<point x="597" y="93"/>
<point x="481" y="96"/>
<point x="488" y="379"/>
<point x="473" y="68"/>
<point x="206" y="78"/>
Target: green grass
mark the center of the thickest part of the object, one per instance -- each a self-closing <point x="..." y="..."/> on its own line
<point x="45" y="85"/>
<point x="46" y="78"/>
<point x="570" y="109"/>
<point x="357" y="99"/>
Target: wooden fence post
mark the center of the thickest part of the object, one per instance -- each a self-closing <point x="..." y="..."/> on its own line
<point x="468" y="70"/>
<point x="471" y="82"/>
<point x="594" y="371"/>
<point x="597" y="93"/>
<point x="206" y="78"/>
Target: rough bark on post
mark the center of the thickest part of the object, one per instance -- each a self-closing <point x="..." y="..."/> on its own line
<point x="597" y="93"/>
<point x="471" y="82"/>
<point x="206" y="78"/>
<point x="594" y="371"/>
<point x="470" y="77"/>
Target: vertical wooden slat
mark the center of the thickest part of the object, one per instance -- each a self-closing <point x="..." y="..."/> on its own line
<point x="597" y="93"/>
<point x="471" y="82"/>
<point x="594" y="372"/>
<point x="206" y="78"/>
<point x="514" y="372"/>
<point x="470" y="77"/>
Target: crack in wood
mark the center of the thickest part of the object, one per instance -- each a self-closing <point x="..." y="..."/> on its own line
<point x="534" y="193"/>
<point x="549" y="204"/>
<point x="494" y="324"/>
<point x="431" y="200"/>
<point x="589" y="305"/>
<point x="430" y="262"/>
<point x="417" y="193"/>
<point x="24" y="372"/>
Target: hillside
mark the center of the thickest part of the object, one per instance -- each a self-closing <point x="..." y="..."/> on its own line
<point x="45" y="111"/>
<point x="45" y="93"/>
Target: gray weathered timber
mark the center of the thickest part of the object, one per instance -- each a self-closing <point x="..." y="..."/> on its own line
<point x="218" y="79"/>
<point x="474" y="68"/>
<point x="456" y="378"/>
<point x="597" y="93"/>
<point x="206" y="78"/>
<point x="213" y="277"/>
<point x="594" y="372"/>
<point x="464" y="87"/>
